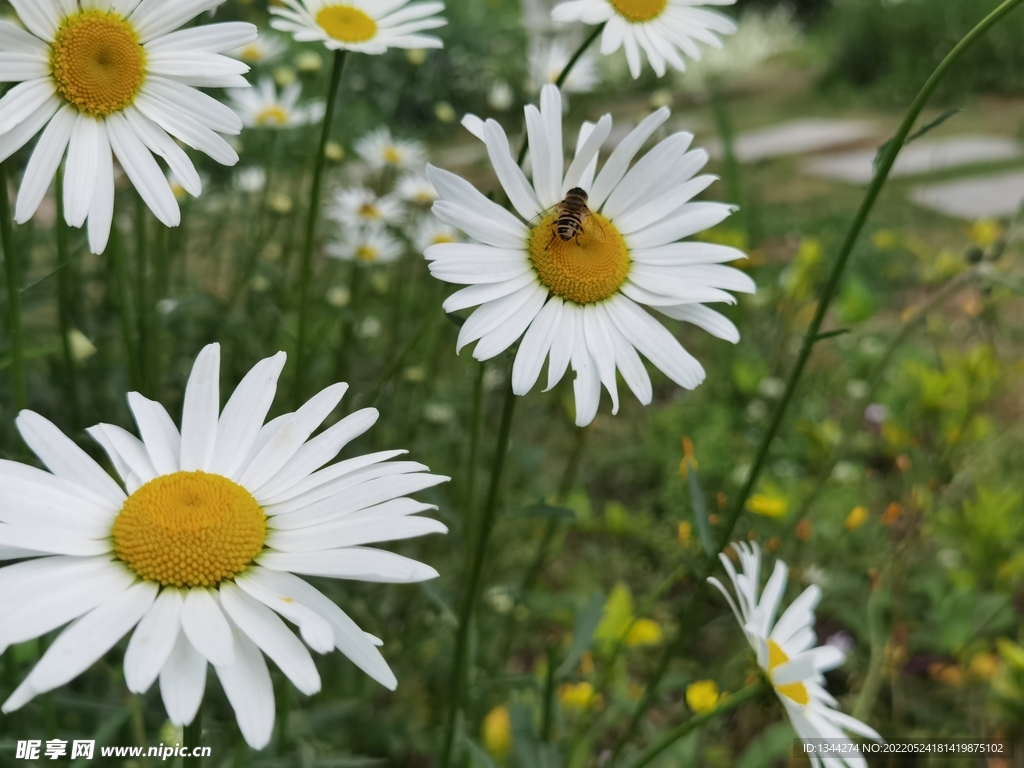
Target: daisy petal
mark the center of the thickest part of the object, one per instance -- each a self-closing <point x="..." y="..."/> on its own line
<point x="183" y="681"/>
<point x="247" y="685"/>
<point x="357" y="563"/>
<point x="200" y="411"/>
<point x="206" y="628"/>
<point x="153" y="641"/>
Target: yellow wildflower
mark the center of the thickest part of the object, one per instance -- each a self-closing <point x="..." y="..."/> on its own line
<point x="702" y="696"/>
<point x="985" y="232"/>
<point x="983" y="666"/>
<point x="685" y="532"/>
<point x="857" y="517"/>
<point x="578" y="697"/>
<point x="767" y="506"/>
<point x="644" y="632"/>
<point x="689" y="459"/>
<point x="496" y="732"/>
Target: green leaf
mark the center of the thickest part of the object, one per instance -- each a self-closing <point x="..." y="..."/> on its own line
<point x="913" y="137"/>
<point x="478" y="755"/>
<point x="582" y="634"/>
<point x="700" y="511"/>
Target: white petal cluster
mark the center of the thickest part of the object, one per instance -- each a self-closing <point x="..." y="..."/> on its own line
<point x="787" y="650"/>
<point x="321" y="517"/>
<point x="177" y="63"/>
<point x="396" y="23"/>
<point x="264" y="107"/>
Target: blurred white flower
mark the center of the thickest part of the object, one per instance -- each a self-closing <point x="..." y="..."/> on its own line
<point x="761" y="36"/>
<point x="547" y="61"/>
<point x="360" y="206"/>
<point x="263" y="50"/>
<point x="500" y="96"/>
<point x="380" y="150"/>
<point x="366" y="28"/>
<point x="369" y="328"/>
<point x="250" y="179"/>
<point x="662" y="28"/>
<point x="338" y="296"/>
<point x="263" y="107"/>
<point x="429" y="231"/>
<point x="369" y="245"/>
<point x="438" y="413"/>
<point x="787" y="652"/>
<point x="416" y="188"/>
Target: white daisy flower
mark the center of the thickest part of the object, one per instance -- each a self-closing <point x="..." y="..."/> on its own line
<point x="577" y="299"/>
<point x="251" y="179"/>
<point x="548" y="60"/>
<point x="429" y="231"/>
<point x="114" y="78"/>
<point x="367" y="245"/>
<point x="359" y="25"/>
<point x="199" y="551"/>
<point x="663" y="28"/>
<point x="379" y="150"/>
<point x="360" y="206"/>
<point x="416" y="188"/>
<point x="262" y="107"/>
<point x="787" y="651"/>
<point x="265" y="49"/>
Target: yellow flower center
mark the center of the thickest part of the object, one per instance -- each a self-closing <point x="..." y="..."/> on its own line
<point x="366" y="253"/>
<point x="346" y="23"/>
<point x="98" y="64"/>
<point x="795" y="691"/>
<point x="392" y="155"/>
<point x="188" y="529"/>
<point x="639" y="11"/>
<point x="584" y="269"/>
<point x="442" y="237"/>
<point x="272" y="115"/>
<point x="369" y="211"/>
<point x="252" y="52"/>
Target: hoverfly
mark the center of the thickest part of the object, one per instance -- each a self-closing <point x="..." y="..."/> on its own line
<point x="570" y="217"/>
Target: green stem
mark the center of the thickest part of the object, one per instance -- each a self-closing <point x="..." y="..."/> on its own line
<point x="562" y="78"/>
<point x="13" y="293"/>
<point x="193" y="737"/>
<point x="828" y="292"/>
<point x="471" y="595"/>
<point x="734" y="700"/>
<point x="116" y="253"/>
<point x="64" y="304"/>
<point x="306" y="265"/>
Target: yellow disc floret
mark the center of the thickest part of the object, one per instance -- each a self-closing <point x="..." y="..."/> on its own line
<point x="98" y="63"/>
<point x="795" y="691"/>
<point x="189" y="529"/>
<point x="639" y="11"/>
<point x="346" y="23"/>
<point x="275" y="114"/>
<point x="584" y="269"/>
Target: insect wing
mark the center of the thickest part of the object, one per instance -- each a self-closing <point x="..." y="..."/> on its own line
<point x="593" y="228"/>
<point x="536" y="220"/>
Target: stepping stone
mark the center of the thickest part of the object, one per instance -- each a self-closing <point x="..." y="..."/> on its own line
<point x="920" y="157"/>
<point x="798" y="137"/>
<point x="981" y="197"/>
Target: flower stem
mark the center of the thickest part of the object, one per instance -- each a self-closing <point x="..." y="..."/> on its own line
<point x="306" y="265"/>
<point x="13" y="293"/>
<point x="888" y="158"/>
<point x="471" y="595"/>
<point x="727" y="705"/>
<point x="562" y="78"/>
<point x="193" y="738"/>
<point x="64" y="304"/>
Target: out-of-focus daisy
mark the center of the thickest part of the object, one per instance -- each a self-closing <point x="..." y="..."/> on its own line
<point x="360" y="206"/>
<point x="429" y="231"/>
<point x="379" y="150"/>
<point x="263" y="107"/>
<point x="577" y="300"/>
<point x="105" y="79"/>
<point x="664" y="29"/>
<point x="500" y="96"/>
<point x="360" y="26"/>
<point x="199" y="551"/>
<point x="787" y="651"/>
<point x="251" y="179"/>
<point x="416" y="188"/>
<point x="548" y="60"/>
<point x="367" y="245"/>
<point x="265" y="49"/>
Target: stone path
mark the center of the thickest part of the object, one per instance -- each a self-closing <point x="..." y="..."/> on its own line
<point x="797" y="138"/>
<point x="920" y="157"/>
<point x="980" y="197"/>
